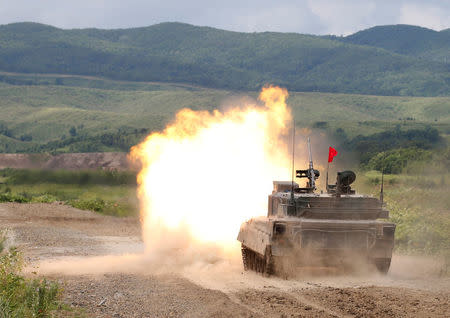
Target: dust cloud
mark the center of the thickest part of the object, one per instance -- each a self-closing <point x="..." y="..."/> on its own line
<point x="209" y="171"/>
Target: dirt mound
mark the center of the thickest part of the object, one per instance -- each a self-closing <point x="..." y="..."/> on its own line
<point x="69" y="161"/>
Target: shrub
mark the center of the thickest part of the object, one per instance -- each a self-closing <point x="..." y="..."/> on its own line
<point x="97" y="205"/>
<point x="44" y="198"/>
<point x="320" y="124"/>
<point x="104" y="207"/>
<point x="22" y="297"/>
<point x="392" y="142"/>
<point x="396" y="160"/>
<point x="11" y="197"/>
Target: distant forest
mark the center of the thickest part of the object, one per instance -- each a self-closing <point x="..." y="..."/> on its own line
<point x="389" y="60"/>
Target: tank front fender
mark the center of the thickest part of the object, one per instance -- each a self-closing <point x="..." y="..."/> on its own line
<point x="255" y="236"/>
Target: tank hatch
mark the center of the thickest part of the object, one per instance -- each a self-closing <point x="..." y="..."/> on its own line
<point x="283" y="186"/>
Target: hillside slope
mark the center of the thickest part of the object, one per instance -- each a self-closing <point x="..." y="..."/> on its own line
<point x="407" y="40"/>
<point x="175" y="52"/>
<point x="79" y="119"/>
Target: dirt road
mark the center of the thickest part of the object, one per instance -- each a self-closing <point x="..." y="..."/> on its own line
<point x="101" y="263"/>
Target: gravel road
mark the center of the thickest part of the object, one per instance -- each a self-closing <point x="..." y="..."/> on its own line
<point x="100" y="262"/>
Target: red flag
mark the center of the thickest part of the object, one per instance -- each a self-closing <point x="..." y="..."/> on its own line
<point x="331" y="153"/>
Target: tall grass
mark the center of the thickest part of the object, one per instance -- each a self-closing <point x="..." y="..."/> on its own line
<point x="20" y="296"/>
<point x="419" y="206"/>
<point x="106" y="192"/>
<point x="38" y="176"/>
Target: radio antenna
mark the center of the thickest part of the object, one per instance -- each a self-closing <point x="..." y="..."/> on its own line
<point x="293" y="152"/>
<point x="382" y="174"/>
<point x="311" y="172"/>
<point x="382" y="178"/>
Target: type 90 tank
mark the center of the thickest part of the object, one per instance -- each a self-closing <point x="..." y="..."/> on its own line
<point x="305" y="228"/>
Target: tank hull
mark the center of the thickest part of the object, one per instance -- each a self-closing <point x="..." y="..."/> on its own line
<point x="316" y="242"/>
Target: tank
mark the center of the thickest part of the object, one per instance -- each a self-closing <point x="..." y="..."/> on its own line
<point x="337" y="228"/>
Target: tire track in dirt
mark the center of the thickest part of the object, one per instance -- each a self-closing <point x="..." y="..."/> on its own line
<point x="238" y="302"/>
<point x="317" y="306"/>
<point x="243" y="288"/>
<point x="274" y="303"/>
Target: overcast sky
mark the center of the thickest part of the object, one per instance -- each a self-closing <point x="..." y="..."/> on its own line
<point x="339" y="17"/>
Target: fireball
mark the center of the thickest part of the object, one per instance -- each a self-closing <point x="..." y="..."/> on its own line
<point x="207" y="172"/>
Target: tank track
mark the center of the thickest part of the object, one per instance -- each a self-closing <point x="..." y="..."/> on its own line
<point x="382" y="264"/>
<point x="256" y="262"/>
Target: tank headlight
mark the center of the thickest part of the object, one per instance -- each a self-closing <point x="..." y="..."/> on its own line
<point x="389" y="231"/>
<point x="279" y="228"/>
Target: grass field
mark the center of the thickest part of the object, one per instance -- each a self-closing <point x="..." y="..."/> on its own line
<point x="112" y="193"/>
<point x="110" y="200"/>
<point x="48" y="112"/>
<point x="419" y="205"/>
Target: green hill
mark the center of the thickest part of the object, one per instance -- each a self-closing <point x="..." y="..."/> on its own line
<point x="406" y="39"/>
<point x="182" y="53"/>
